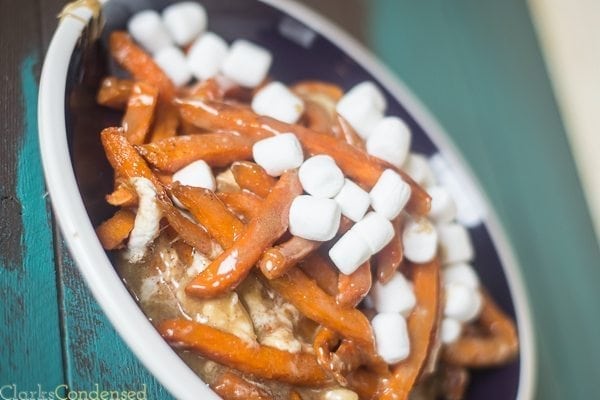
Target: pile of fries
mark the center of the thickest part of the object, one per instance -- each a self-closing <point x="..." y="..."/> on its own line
<point x="242" y="229"/>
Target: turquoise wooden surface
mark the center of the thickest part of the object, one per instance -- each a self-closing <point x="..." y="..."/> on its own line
<point x="477" y="66"/>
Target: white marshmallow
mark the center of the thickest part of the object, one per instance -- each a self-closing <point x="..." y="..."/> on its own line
<point x="450" y="330"/>
<point x="417" y="167"/>
<point x="147" y="29"/>
<point x="278" y="153"/>
<point x="462" y="302"/>
<point x="314" y="218"/>
<point x="206" y="56"/>
<point x="340" y="394"/>
<point x="391" y="337"/>
<point x="443" y="208"/>
<point x="172" y="61"/>
<point x="460" y="273"/>
<point x="275" y="100"/>
<point x="349" y="252"/>
<point x="455" y="244"/>
<point x="376" y="230"/>
<point x="390" y="194"/>
<point x="353" y="200"/>
<point x="196" y="174"/>
<point x="321" y="177"/>
<point x="420" y="240"/>
<point x="185" y="21"/>
<point x="363" y="107"/>
<point x="394" y="296"/>
<point x="147" y="220"/>
<point x="390" y="141"/>
<point x="247" y="63"/>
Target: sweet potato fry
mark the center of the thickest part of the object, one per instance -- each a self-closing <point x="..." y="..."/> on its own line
<point x="271" y="221"/>
<point x="227" y="349"/>
<point x="217" y="149"/>
<point x="114" y="92"/>
<point x="315" y="89"/>
<point x="498" y="345"/>
<point x="125" y="160"/>
<point x="348" y="133"/>
<point x="315" y="304"/>
<point x="317" y="119"/>
<point x="231" y="386"/>
<point x="123" y="196"/>
<point x="279" y="259"/>
<point x="252" y="177"/>
<point x="114" y="231"/>
<point x="140" y="112"/>
<point x="210" y="212"/>
<point x="365" y="383"/>
<point x="244" y="204"/>
<point x="356" y="163"/>
<point x="422" y="328"/>
<point x="191" y="233"/>
<point x="389" y="258"/>
<point x="139" y="64"/>
<point x="294" y="395"/>
<point x="318" y="268"/>
<point x="166" y="121"/>
<point x="354" y="287"/>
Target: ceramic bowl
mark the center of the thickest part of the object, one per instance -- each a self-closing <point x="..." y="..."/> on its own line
<point x="305" y="46"/>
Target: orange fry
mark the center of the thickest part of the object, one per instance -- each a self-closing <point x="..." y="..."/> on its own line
<point x="313" y="89"/>
<point x="389" y="258"/>
<point x="315" y="304"/>
<point x="321" y="271"/>
<point x="123" y="196"/>
<point x="191" y="233"/>
<point x="354" y="287"/>
<point x="227" y="349"/>
<point x="114" y="231"/>
<point x="210" y="212"/>
<point x="166" y="121"/>
<point x="252" y="177"/>
<point x="244" y="204"/>
<point x="498" y="345"/>
<point x="422" y="328"/>
<point x="114" y="92"/>
<point x="234" y="264"/>
<point x="316" y="118"/>
<point x="139" y="64"/>
<point x="140" y="111"/>
<point x="356" y="163"/>
<point x="348" y="133"/>
<point x="231" y="386"/>
<point x="217" y="149"/>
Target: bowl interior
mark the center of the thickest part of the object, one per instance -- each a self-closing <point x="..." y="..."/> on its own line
<point x="299" y="53"/>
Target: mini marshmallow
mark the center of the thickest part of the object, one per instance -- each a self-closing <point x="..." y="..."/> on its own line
<point x="390" y="141"/>
<point x="321" y="177"/>
<point x="390" y="194"/>
<point x="450" y="330"/>
<point x="455" y="244"/>
<point x="247" y="63"/>
<point x="443" y="208"/>
<point x="349" y="252"/>
<point x="314" y="218"/>
<point x="340" y="394"/>
<point x="396" y="295"/>
<point x="206" y="56"/>
<point x="147" y="220"/>
<point x="391" y="337"/>
<point x="147" y="29"/>
<point x="197" y="174"/>
<point x="363" y="107"/>
<point x="462" y="302"/>
<point x="376" y="230"/>
<point x="278" y="153"/>
<point x="417" y="167"/>
<point x="353" y="200"/>
<point x="275" y="100"/>
<point x="460" y="273"/>
<point x="185" y="21"/>
<point x="420" y="240"/>
<point x="172" y="61"/>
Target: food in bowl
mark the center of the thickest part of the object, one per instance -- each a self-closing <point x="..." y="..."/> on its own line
<point x="282" y="237"/>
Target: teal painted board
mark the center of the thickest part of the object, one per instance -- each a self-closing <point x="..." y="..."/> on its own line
<point x="94" y="353"/>
<point x="477" y="66"/>
<point x="30" y="356"/>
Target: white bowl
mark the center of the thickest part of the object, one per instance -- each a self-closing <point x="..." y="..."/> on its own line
<point x="97" y="270"/>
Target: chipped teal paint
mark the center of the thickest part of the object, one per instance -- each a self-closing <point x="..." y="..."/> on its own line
<point x="30" y="335"/>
